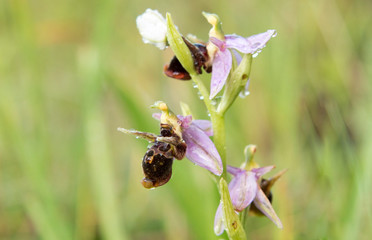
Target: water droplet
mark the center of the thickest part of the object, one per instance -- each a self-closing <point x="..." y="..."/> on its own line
<point x="256" y="53"/>
<point x="194" y="85"/>
<point x="201" y="97"/>
<point x="244" y="93"/>
<point x="274" y="34"/>
<point x="137" y="137"/>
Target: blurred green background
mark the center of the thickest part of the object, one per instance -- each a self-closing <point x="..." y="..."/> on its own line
<point x="71" y="72"/>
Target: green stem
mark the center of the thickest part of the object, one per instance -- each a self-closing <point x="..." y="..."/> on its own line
<point x="204" y="92"/>
<point x="218" y="122"/>
<point x="219" y="137"/>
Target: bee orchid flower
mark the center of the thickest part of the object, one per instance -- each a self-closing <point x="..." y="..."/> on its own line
<point x="222" y="61"/>
<point x="179" y="136"/>
<point x="200" y="148"/>
<point x="244" y="189"/>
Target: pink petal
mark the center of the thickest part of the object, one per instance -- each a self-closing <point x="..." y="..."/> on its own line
<point x="264" y="205"/>
<point x="243" y="190"/>
<point x="221" y="68"/>
<point x="204" y="125"/>
<point x="218" y="222"/>
<point x="237" y="42"/>
<point x="261" y="171"/>
<point x="186" y="120"/>
<point x="219" y="43"/>
<point x="234" y="170"/>
<point x="259" y="41"/>
<point x="201" y="150"/>
<point x="251" y="44"/>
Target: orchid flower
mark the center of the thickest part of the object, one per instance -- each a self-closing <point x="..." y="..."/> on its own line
<point x="244" y="189"/>
<point x="200" y="148"/>
<point x="222" y="61"/>
<point x="180" y="136"/>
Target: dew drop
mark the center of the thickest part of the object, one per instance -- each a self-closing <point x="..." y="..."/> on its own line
<point x="194" y="85"/>
<point x="274" y="34"/>
<point x="256" y="53"/>
<point x="201" y="97"/>
<point x="244" y="93"/>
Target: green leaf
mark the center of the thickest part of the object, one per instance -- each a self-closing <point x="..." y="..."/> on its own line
<point x="231" y="220"/>
<point x="179" y="47"/>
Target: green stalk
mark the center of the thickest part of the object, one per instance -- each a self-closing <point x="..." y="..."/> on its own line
<point x="219" y="137"/>
<point x="218" y="122"/>
<point x="204" y="92"/>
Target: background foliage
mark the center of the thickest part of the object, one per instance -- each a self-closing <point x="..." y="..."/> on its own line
<point x="71" y="72"/>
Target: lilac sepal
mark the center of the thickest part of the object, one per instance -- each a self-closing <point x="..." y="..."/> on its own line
<point x="243" y="188"/>
<point x="219" y="43"/>
<point x="201" y="150"/>
<point x="221" y="68"/>
<point x="234" y="170"/>
<point x="219" y="227"/>
<point x="263" y="170"/>
<point x="204" y="125"/>
<point x="259" y="41"/>
<point x="237" y="42"/>
<point x="251" y="44"/>
<point x="185" y="120"/>
<point x="264" y="205"/>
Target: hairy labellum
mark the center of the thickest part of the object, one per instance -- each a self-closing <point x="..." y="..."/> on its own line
<point x="177" y="144"/>
<point x="200" y="56"/>
<point x="158" y="160"/>
<point x="157" y="165"/>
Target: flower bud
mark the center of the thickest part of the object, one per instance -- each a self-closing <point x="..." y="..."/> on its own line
<point x="153" y="28"/>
